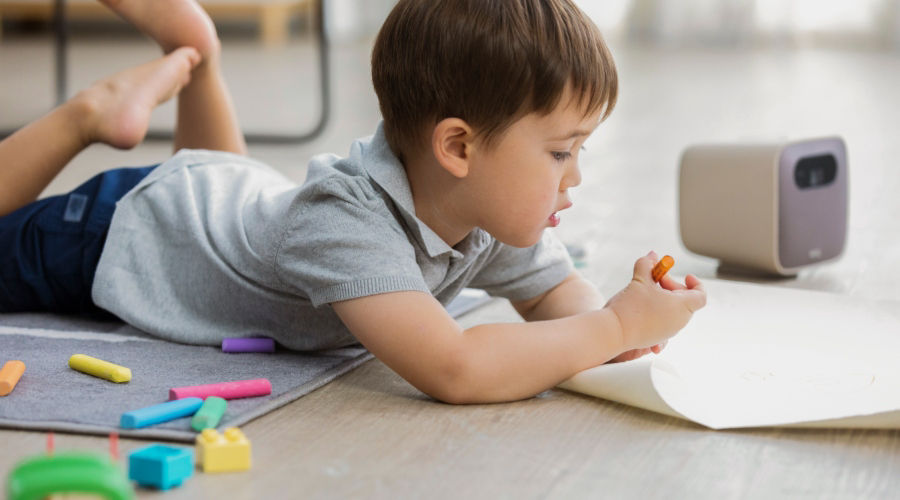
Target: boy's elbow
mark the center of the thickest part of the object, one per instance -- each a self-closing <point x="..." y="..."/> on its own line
<point x="453" y="382"/>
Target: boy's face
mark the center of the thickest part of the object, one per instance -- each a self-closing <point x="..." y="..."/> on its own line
<point x="522" y="181"/>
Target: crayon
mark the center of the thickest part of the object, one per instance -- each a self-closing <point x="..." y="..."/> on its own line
<point x="662" y="267"/>
<point x="209" y="415"/>
<point x="248" y="344"/>
<point x="225" y="390"/>
<point x="99" y="368"/>
<point x="9" y="376"/>
<point x="163" y="412"/>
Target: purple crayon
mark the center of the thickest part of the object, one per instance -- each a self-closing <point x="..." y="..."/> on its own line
<point x="248" y="344"/>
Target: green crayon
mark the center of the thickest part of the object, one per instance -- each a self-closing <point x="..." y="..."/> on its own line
<point x="208" y="416"/>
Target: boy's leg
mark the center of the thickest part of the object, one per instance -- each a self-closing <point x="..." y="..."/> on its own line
<point x="115" y="111"/>
<point x="206" y="114"/>
<point x="51" y="247"/>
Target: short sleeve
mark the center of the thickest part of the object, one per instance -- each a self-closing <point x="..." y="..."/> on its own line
<point x="524" y="273"/>
<point x="342" y="242"/>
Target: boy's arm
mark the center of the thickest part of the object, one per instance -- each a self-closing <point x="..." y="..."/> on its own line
<point x="413" y="334"/>
<point x="574" y="295"/>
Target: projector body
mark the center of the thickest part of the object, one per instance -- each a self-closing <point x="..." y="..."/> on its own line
<point x="774" y="208"/>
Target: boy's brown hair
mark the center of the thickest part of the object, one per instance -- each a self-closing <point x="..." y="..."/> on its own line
<point x="488" y="62"/>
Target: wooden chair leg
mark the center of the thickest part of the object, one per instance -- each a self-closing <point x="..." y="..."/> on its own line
<point x="274" y="24"/>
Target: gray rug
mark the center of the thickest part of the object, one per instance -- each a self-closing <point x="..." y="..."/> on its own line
<point x="52" y="396"/>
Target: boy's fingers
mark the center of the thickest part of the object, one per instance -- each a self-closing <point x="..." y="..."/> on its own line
<point x="693" y="282"/>
<point x="644" y="265"/>
<point x="670" y="284"/>
<point x="694" y="299"/>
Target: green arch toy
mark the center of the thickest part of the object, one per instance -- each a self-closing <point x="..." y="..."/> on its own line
<point x="70" y="472"/>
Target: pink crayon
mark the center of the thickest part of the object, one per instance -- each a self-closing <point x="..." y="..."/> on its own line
<point x="226" y="390"/>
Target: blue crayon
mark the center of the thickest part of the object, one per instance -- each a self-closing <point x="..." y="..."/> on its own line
<point x="163" y="412"/>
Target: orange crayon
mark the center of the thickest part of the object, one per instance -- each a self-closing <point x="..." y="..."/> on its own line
<point x="662" y="267"/>
<point x="9" y="376"/>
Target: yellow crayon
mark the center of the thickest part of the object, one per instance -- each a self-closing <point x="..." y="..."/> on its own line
<point x="99" y="368"/>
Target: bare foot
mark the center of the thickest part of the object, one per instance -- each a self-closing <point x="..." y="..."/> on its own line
<point x="116" y="110"/>
<point x="172" y="23"/>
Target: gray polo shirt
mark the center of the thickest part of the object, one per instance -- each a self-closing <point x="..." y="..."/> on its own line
<point x="213" y="245"/>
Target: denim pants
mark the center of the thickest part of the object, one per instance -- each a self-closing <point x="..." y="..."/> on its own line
<point x="49" y="249"/>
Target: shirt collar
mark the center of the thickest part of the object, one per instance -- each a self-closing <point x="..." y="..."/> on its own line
<point x="383" y="166"/>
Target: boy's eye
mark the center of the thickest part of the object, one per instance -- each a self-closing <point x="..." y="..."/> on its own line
<point x="560" y="156"/>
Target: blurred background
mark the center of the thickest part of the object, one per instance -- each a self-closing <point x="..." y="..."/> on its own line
<point x="690" y="71"/>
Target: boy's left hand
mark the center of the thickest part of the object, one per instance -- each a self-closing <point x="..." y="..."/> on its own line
<point x="637" y="353"/>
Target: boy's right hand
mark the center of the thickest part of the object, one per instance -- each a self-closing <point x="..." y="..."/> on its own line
<point x="649" y="313"/>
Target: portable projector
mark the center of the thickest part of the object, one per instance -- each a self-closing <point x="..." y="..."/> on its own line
<point x="772" y="208"/>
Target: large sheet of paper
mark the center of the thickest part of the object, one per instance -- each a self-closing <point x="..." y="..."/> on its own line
<point x="768" y="356"/>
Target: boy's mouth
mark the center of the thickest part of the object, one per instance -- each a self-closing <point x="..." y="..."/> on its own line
<point x="554" y="219"/>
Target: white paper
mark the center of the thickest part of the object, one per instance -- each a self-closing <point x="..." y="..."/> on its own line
<point x="768" y="356"/>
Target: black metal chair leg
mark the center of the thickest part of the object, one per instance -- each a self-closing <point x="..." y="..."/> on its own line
<point x="61" y="36"/>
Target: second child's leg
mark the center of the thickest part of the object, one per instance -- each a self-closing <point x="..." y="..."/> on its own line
<point x="115" y="111"/>
<point x="206" y="114"/>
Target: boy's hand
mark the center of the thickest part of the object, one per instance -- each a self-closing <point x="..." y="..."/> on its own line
<point x="637" y="353"/>
<point x="649" y="314"/>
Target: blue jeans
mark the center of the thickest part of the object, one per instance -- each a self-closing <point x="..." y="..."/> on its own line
<point x="49" y="249"/>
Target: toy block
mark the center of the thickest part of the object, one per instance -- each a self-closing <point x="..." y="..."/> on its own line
<point x="160" y="466"/>
<point x="229" y="451"/>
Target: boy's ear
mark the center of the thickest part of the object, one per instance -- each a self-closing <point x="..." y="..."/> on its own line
<point x="451" y="144"/>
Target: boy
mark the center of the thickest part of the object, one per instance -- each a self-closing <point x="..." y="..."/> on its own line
<point x="486" y="106"/>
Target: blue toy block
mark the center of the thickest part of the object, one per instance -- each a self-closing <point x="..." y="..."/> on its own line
<point x="160" y="466"/>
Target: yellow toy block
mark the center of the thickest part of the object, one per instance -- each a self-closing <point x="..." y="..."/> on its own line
<point x="225" y="452"/>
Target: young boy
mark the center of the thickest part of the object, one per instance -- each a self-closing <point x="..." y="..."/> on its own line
<point x="485" y="105"/>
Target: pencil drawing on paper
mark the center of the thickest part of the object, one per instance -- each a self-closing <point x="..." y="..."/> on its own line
<point x="836" y="381"/>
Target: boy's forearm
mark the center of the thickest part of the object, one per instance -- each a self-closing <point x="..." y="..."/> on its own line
<point x="575" y="295"/>
<point x="518" y="360"/>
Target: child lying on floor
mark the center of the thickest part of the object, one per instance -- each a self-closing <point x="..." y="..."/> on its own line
<point x="485" y="108"/>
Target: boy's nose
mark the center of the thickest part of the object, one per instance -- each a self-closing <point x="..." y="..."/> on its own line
<point x="571" y="178"/>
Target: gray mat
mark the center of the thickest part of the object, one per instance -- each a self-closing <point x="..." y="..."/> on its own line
<point x="51" y="396"/>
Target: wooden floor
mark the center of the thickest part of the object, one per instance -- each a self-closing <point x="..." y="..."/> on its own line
<point x="369" y="434"/>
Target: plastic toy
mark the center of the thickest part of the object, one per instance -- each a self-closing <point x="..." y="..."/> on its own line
<point x="227" y="390"/>
<point x="209" y="415"/>
<point x="248" y="344"/>
<point x="225" y="452"/>
<point x="661" y="268"/>
<point x="9" y="376"/>
<point x="163" y="412"/>
<point x="99" y="368"/>
<point x="160" y="466"/>
<point x="70" y="472"/>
